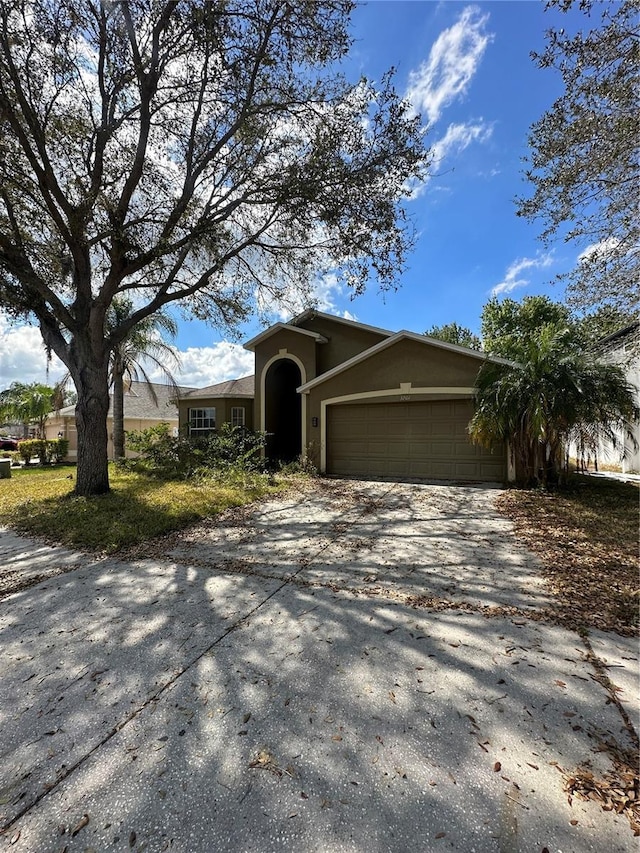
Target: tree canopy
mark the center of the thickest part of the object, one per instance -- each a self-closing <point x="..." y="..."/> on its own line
<point x="28" y="404"/>
<point x="509" y="327"/>
<point x="557" y="390"/>
<point x="584" y="161"/>
<point x="202" y="154"/>
<point x="453" y="333"/>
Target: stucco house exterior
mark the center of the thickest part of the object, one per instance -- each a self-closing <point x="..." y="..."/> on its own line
<point x="201" y="410"/>
<point x="141" y="411"/>
<point x="623" y="348"/>
<point x="358" y="400"/>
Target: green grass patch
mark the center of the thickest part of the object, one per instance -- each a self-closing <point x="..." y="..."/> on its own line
<point x="587" y="538"/>
<point x="40" y="502"/>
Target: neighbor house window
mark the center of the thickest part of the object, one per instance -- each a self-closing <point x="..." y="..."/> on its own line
<point x="237" y="416"/>
<point x="201" y="421"/>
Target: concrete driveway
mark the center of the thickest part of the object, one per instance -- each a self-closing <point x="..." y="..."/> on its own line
<point x="353" y="667"/>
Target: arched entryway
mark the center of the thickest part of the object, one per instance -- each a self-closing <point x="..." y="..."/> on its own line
<point x="283" y="411"/>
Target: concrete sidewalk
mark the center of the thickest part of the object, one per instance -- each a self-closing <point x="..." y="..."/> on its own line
<point x="264" y="683"/>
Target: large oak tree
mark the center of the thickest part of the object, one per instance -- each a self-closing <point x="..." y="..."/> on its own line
<point x="584" y="161"/>
<point x="206" y="154"/>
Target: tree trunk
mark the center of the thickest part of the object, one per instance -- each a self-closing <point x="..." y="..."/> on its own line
<point x="92" y="409"/>
<point x="118" y="410"/>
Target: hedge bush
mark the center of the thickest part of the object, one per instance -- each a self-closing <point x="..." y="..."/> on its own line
<point x="46" y="450"/>
<point x="176" y="457"/>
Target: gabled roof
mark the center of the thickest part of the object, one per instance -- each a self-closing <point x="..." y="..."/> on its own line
<point x="310" y="313"/>
<point x="139" y="403"/>
<point x="294" y="326"/>
<point x="243" y="387"/>
<point x="619" y="337"/>
<point x="251" y="345"/>
<point x="390" y="341"/>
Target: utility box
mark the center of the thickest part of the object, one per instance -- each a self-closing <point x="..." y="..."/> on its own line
<point x="5" y="469"/>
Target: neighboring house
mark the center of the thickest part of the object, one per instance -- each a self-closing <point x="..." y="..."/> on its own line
<point x="204" y="409"/>
<point x="623" y="348"/>
<point x="363" y="401"/>
<point x="141" y="411"/>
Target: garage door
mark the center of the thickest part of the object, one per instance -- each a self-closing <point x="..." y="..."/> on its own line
<point x="421" y="439"/>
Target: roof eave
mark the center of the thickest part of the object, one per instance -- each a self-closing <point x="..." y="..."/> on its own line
<point x="310" y="313"/>
<point x="382" y="345"/>
<point x="278" y="327"/>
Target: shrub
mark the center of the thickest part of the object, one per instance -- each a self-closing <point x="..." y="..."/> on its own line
<point x="30" y="447"/>
<point x="165" y="455"/>
<point x="58" y="448"/>
<point x="160" y="452"/>
<point x="232" y="446"/>
<point x="47" y="450"/>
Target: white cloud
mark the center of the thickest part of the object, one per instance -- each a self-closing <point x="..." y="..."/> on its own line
<point x="201" y="366"/>
<point x="452" y="63"/>
<point x="23" y="357"/>
<point x="599" y="250"/>
<point x="513" y="278"/>
<point x="458" y="137"/>
<point x="320" y="294"/>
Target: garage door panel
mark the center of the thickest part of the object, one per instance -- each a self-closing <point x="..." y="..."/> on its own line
<point x="422" y="439"/>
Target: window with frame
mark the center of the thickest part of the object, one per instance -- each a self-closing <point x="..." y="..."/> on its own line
<point x="202" y="421"/>
<point x="237" y="416"/>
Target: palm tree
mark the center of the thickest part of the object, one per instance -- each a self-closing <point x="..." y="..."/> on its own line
<point x="557" y="392"/>
<point x="142" y="343"/>
<point x="27" y="404"/>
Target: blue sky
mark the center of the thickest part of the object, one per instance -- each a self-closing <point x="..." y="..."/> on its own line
<point x="466" y="67"/>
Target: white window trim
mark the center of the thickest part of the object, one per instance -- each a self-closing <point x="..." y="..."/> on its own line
<point x="195" y="430"/>
<point x="243" y="419"/>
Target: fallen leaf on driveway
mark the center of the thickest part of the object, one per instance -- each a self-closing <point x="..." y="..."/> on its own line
<point x="84" y="820"/>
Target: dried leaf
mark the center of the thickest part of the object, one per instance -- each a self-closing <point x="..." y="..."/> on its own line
<point x="84" y="820"/>
<point x="15" y="837"/>
<point x="497" y="767"/>
<point x="440" y="834"/>
<point x="246" y="717"/>
<point x="132" y="838"/>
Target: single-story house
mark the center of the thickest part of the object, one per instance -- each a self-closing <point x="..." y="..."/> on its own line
<point x="141" y="411"/>
<point x="203" y="409"/>
<point x="358" y="400"/>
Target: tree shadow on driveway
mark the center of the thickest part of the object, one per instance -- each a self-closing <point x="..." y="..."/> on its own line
<point x="188" y="704"/>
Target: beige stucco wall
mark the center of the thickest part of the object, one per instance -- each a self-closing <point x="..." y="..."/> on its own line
<point x="402" y="368"/>
<point x="343" y="342"/>
<point x="222" y="405"/>
<point x="283" y="344"/>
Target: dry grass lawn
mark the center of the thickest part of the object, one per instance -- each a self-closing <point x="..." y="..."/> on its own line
<point x="587" y="538"/>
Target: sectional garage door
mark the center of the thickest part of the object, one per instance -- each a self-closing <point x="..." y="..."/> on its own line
<point x="421" y="439"/>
